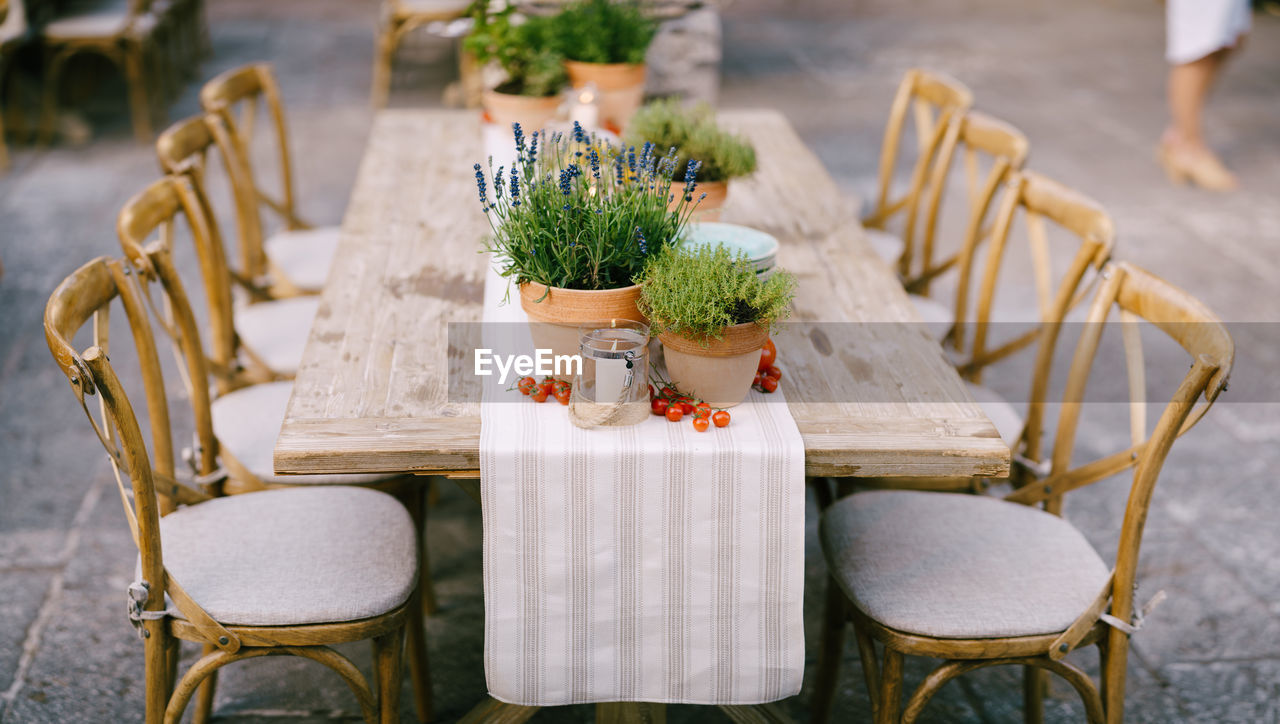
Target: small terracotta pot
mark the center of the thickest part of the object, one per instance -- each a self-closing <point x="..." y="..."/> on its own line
<point x="621" y="87"/>
<point x="720" y="373"/>
<point x="531" y="112"/>
<point x="709" y="208"/>
<point x="554" y="321"/>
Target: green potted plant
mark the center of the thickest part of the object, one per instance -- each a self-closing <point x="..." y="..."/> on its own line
<point x="604" y="43"/>
<point x="574" y="222"/>
<point x="713" y="314"/>
<point x="721" y="154"/>
<point x="534" y="70"/>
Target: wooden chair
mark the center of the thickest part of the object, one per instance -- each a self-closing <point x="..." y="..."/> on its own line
<point x="266" y="591"/>
<point x="295" y="260"/>
<point x="13" y="28"/>
<point x="124" y="34"/>
<point x="399" y="18"/>
<point x="978" y="581"/>
<point x="250" y="343"/>
<point x="244" y="423"/>
<point x="983" y="140"/>
<point x="932" y="99"/>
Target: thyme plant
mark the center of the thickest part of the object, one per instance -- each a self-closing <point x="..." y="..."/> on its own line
<point x="698" y="292"/>
<point x="603" y="31"/>
<point x="579" y="213"/>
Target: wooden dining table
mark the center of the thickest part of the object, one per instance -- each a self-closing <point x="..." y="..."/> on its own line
<point x="871" y="391"/>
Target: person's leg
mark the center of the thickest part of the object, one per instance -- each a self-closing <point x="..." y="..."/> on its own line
<point x="1184" y="152"/>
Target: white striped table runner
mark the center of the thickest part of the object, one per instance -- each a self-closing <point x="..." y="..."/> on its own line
<point x="645" y="563"/>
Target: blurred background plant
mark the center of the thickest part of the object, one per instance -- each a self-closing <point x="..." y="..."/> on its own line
<point x="666" y="123"/>
<point x="522" y="45"/>
<point x="601" y="31"/>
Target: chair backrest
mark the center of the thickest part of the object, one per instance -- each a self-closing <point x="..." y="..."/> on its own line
<point x="981" y="138"/>
<point x="240" y="90"/>
<point x="1037" y="199"/>
<point x="1139" y="296"/>
<point x="932" y="100"/>
<point x="157" y="211"/>
<point x="183" y="149"/>
<point x="82" y="300"/>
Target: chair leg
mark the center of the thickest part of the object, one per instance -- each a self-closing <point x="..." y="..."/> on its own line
<point x="429" y="604"/>
<point x="870" y="667"/>
<point x="204" y="695"/>
<point x="387" y="655"/>
<point x="412" y="495"/>
<point x="1034" y="682"/>
<point x="890" y="688"/>
<point x="1115" y="660"/>
<point x="138" y="102"/>
<point x="382" y="60"/>
<point x="829" y="654"/>
<point x="156" y="657"/>
<point x="56" y="60"/>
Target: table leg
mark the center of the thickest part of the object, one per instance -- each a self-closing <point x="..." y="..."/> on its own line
<point x="630" y="712"/>
<point x="492" y="711"/>
<point x="757" y="714"/>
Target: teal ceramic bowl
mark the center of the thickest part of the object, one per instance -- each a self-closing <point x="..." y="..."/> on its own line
<point x="760" y="248"/>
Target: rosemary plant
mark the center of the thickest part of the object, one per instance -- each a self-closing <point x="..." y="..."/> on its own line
<point x="694" y="131"/>
<point x="579" y="213"/>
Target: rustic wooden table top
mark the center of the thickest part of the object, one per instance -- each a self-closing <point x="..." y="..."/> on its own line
<point x="372" y="392"/>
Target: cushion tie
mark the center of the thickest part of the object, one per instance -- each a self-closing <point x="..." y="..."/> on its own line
<point x="1139" y="615"/>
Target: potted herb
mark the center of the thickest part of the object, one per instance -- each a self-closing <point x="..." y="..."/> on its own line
<point x="713" y="314"/>
<point x="721" y="154"/>
<point x="534" y="70"/>
<point x="604" y="43"/>
<point x="574" y="223"/>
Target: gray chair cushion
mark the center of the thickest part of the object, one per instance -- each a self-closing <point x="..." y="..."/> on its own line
<point x="938" y="317"/>
<point x="887" y="245"/>
<point x="293" y="556"/>
<point x="959" y="566"/>
<point x="304" y="255"/>
<point x="1008" y="421"/>
<point x="277" y="331"/>
<point x="247" y="422"/>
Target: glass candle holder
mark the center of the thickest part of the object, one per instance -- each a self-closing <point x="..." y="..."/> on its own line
<point x="612" y="387"/>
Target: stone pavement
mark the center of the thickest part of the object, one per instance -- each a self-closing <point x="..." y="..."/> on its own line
<point x="1083" y="80"/>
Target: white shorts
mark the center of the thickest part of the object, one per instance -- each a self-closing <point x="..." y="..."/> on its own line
<point x="1197" y="28"/>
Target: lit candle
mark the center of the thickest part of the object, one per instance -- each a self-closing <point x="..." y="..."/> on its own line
<point x="584" y="109"/>
<point x="615" y="374"/>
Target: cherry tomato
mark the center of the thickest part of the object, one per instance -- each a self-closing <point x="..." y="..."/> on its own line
<point x="650" y="392"/>
<point x="669" y="393"/>
<point x="547" y="386"/>
<point x="774" y="372"/>
<point x="757" y="380"/>
<point x="526" y="384"/>
<point x="686" y="407"/>
<point x="768" y="355"/>
<point x="701" y="424"/>
<point x="659" y="406"/>
<point x="721" y="418"/>
<point x="560" y="385"/>
<point x="538" y="394"/>
<point x="769" y="384"/>
<point x="702" y="410"/>
<point x="563" y="394"/>
<point x="674" y="413"/>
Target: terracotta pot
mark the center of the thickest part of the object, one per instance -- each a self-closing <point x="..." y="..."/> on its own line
<point x="531" y="112"/>
<point x="621" y="87"/>
<point x="720" y="373"/>
<point x="709" y="210"/>
<point x="554" y="321"/>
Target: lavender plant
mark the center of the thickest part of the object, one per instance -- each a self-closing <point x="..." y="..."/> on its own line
<point x="580" y="213"/>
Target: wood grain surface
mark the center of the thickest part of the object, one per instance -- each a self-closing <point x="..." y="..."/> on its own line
<point x="873" y="398"/>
